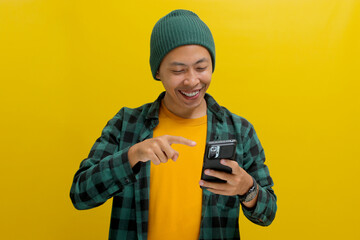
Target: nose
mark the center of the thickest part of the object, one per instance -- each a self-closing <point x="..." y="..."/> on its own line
<point x="192" y="78"/>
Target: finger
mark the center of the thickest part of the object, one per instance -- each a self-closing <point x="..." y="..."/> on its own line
<point x="232" y="164"/>
<point x="168" y="151"/>
<point x="154" y="159"/>
<point x="213" y="185"/>
<point x="175" y="156"/>
<point x="180" y="140"/>
<point x="218" y="174"/>
<point x="160" y="155"/>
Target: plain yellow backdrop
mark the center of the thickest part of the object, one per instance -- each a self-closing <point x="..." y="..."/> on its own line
<point x="289" y="67"/>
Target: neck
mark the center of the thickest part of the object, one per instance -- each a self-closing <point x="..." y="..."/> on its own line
<point x="184" y="112"/>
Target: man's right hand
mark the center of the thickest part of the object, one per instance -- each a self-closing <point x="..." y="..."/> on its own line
<point x="158" y="150"/>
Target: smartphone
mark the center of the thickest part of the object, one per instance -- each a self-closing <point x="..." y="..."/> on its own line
<point x="214" y="152"/>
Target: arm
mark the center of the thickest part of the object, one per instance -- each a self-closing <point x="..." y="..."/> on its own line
<point x="108" y="170"/>
<point x="105" y="172"/>
<point x="263" y="213"/>
<point x="260" y="210"/>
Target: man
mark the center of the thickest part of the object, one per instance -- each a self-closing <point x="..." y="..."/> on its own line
<point x="150" y="159"/>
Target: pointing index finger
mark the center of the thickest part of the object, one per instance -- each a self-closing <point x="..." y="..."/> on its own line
<point x="181" y="140"/>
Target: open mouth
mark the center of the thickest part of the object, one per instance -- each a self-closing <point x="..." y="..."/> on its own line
<point x="190" y="94"/>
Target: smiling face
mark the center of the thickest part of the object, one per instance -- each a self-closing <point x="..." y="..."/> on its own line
<point x="186" y="74"/>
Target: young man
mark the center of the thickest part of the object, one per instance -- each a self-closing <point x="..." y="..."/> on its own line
<point x="150" y="159"/>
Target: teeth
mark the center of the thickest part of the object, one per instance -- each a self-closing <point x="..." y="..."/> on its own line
<point x="190" y="94"/>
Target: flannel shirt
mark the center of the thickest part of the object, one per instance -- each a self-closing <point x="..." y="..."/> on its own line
<point x="106" y="173"/>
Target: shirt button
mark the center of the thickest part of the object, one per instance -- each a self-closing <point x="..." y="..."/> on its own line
<point x="127" y="180"/>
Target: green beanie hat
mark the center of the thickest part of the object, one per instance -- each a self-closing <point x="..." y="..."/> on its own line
<point x="179" y="27"/>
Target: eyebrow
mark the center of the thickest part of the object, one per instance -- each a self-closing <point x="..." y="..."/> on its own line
<point x="183" y="64"/>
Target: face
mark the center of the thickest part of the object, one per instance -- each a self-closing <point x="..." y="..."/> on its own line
<point x="186" y="74"/>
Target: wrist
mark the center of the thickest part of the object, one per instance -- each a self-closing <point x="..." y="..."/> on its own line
<point x="131" y="157"/>
<point x="251" y="193"/>
<point x="248" y="183"/>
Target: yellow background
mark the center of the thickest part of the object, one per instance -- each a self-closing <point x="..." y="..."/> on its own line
<point x="289" y="67"/>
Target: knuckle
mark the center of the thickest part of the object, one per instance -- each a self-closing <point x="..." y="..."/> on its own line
<point x="154" y="144"/>
<point x="160" y="141"/>
<point x="148" y="150"/>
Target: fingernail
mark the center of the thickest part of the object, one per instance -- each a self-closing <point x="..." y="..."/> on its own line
<point x="207" y="172"/>
<point x="201" y="183"/>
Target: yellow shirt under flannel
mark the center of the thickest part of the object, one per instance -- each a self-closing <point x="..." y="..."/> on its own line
<point x="175" y="195"/>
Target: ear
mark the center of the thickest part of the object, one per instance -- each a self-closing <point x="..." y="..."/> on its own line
<point x="157" y="75"/>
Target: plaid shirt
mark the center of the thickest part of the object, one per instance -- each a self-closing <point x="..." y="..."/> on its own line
<point x="106" y="173"/>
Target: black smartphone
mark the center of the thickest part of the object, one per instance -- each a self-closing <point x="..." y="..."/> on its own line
<point x="214" y="152"/>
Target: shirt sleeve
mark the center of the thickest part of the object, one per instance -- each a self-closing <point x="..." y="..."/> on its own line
<point x="264" y="212"/>
<point x="105" y="172"/>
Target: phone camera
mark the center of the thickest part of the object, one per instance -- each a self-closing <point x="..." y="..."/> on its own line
<point x="214" y="152"/>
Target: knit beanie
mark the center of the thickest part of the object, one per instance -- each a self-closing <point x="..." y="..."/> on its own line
<point x="179" y="27"/>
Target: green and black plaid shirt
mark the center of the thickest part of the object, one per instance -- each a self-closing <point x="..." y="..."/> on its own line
<point x="106" y="173"/>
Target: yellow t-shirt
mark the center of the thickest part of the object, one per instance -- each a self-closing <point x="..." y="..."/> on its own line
<point x="175" y="194"/>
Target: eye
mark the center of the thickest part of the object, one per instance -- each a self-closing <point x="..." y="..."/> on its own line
<point x="200" y="69"/>
<point x="177" y="71"/>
